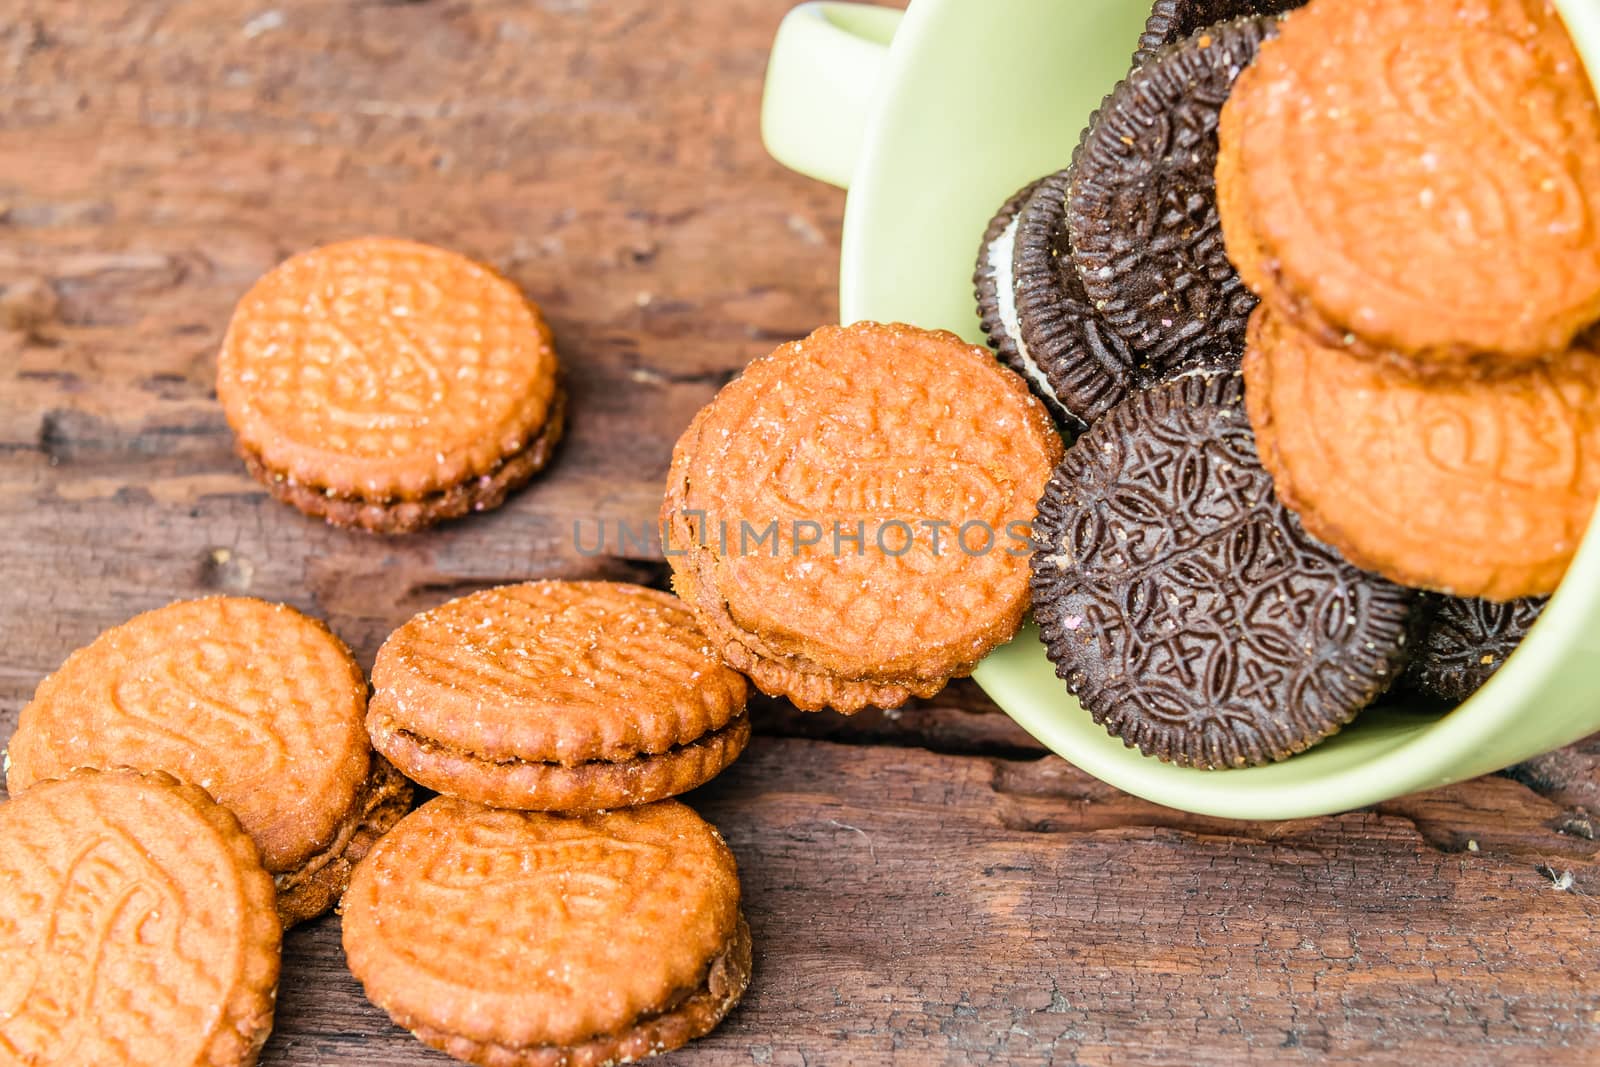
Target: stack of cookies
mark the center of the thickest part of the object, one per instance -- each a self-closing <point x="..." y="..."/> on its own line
<point x="1110" y="275"/>
<point x="1428" y="297"/>
<point x="553" y="905"/>
<point x="255" y="703"/>
<point x="1397" y="244"/>
<point x="1417" y="377"/>
<point x="581" y="915"/>
<point x="186" y="786"/>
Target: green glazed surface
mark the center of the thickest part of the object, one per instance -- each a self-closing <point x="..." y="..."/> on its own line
<point x="972" y="99"/>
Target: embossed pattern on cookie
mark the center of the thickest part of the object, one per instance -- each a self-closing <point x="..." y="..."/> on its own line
<point x="1181" y="602"/>
<point x="254" y="702"/>
<point x="1468" y="487"/>
<point x="557" y="696"/>
<point x="547" y="936"/>
<point x="583" y="670"/>
<point x="1456" y="227"/>
<point x="385" y="370"/>
<point x="138" y="927"/>
<point x="1466" y="641"/>
<point x="804" y="502"/>
<point x="1142" y="210"/>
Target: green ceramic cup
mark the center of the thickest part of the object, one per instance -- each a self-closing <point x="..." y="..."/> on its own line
<point x="930" y="121"/>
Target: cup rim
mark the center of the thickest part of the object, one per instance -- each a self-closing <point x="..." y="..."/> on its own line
<point x="1534" y="690"/>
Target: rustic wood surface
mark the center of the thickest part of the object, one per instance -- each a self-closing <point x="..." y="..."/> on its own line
<point x="924" y="886"/>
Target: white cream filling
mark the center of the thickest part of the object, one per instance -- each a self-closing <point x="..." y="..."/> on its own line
<point x="1005" y="286"/>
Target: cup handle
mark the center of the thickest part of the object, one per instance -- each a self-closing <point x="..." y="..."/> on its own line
<point x="821" y="78"/>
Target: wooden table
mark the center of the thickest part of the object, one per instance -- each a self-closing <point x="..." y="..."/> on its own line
<point x="924" y="886"/>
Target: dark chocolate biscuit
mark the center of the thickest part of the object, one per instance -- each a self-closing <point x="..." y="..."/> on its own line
<point x="1467" y="641"/>
<point x="1088" y="366"/>
<point x="994" y="283"/>
<point x="1171" y="21"/>
<point x="1142" y="208"/>
<point x="1182" y="603"/>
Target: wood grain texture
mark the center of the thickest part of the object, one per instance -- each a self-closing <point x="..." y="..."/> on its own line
<point x="925" y="886"/>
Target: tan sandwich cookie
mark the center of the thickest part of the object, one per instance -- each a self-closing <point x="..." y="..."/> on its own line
<point x="1473" y="488"/>
<point x="1238" y="231"/>
<point x="849" y="516"/>
<point x="559" y="696"/>
<point x="1421" y="180"/>
<point x="531" y="939"/>
<point x="316" y="885"/>
<point x="809" y="690"/>
<point x="389" y="385"/>
<point x="136" y="927"/>
<point x="255" y="703"/>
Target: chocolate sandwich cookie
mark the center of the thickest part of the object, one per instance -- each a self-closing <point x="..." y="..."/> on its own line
<point x="1471" y="487"/>
<point x="848" y="517"/>
<point x="1037" y="315"/>
<point x="559" y="696"/>
<point x="136" y="927"/>
<point x="389" y="385"/>
<point x="1416" y="183"/>
<point x="1466" y="641"/>
<point x="1171" y="21"/>
<point x="254" y="702"/>
<point x="528" y="939"/>
<point x="1089" y="366"/>
<point x="994" y="285"/>
<point x="1182" y="603"/>
<point x="1142" y="212"/>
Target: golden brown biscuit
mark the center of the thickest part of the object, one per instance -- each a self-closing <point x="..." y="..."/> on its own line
<point x="136" y="927"/>
<point x="1238" y="232"/>
<point x="1422" y="181"/>
<point x="388" y="385"/>
<point x="848" y="518"/>
<point x="527" y="939"/>
<point x="1474" y="488"/>
<point x="558" y="696"/>
<point x="808" y="690"/>
<point x="255" y="703"/>
<point x="316" y="885"/>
